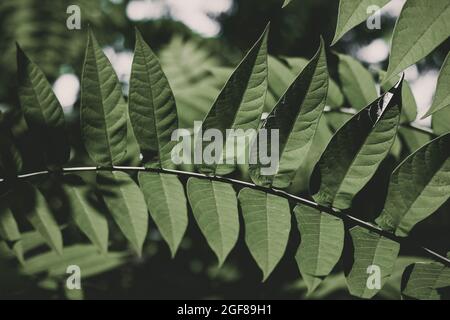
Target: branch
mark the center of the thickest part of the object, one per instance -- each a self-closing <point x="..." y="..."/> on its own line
<point x="278" y="192"/>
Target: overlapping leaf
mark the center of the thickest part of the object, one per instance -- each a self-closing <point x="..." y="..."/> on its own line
<point x="286" y="2"/>
<point x="214" y="206"/>
<point x="284" y="70"/>
<point x="9" y="230"/>
<point x="42" y="111"/>
<point x="126" y="203"/>
<point x="152" y="107"/>
<point x="442" y="96"/>
<point x="413" y="39"/>
<point x="240" y="103"/>
<point x="353" y="12"/>
<point x="84" y="256"/>
<point x="357" y="83"/>
<point x="356" y="150"/>
<point x="426" y="281"/>
<point x="373" y="253"/>
<point x="296" y="118"/>
<point x="409" y="106"/>
<point x="267" y="221"/>
<point x="37" y="212"/>
<point x="84" y="212"/>
<point x="322" y="241"/>
<point x="440" y="121"/>
<point x="10" y="158"/>
<point x="103" y="108"/>
<point x="166" y="202"/>
<point x="418" y="187"/>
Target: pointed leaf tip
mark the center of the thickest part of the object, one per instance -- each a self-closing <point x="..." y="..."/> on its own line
<point x="285" y="3"/>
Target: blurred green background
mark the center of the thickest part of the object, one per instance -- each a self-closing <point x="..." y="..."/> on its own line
<point x="198" y="43"/>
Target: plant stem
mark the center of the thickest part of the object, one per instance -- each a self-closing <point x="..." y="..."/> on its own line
<point x="278" y="192"/>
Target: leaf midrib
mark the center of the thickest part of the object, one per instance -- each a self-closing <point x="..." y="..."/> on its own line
<point x="87" y="215"/>
<point x="418" y="39"/>
<point x="99" y="87"/>
<point x="123" y="192"/>
<point x="360" y="148"/>
<point x="349" y="18"/>
<point x="418" y="197"/>
<point x="149" y="78"/>
<point x="166" y="200"/>
<point x="299" y="111"/>
<point x="220" y="231"/>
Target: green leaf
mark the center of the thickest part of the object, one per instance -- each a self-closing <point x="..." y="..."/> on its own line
<point x="10" y="158"/>
<point x="357" y="82"/>
<point x="73" y="294"/>
<point x="286" y="2"/>
<point x="267" y="221"/>
<point x="413" y="139"/>
<point x="391" y="289"/>
<point x="409" y="106"/>
<point x="351" y="13"/>
<point x="371" y="251"/>
<point x="103" y="109"/>
<point x="152" y="108"/>
<point x="322" y="241"/>
<point x="283" y="71"/>
<point x="442" y="96"/>
<point x="166" y="202"/>
<point x="214" y="206"/>
<point x="42" y="111"/>
<point x="241" y="101"/>
<point x="29" y="240"/>
<point x="426" y="281"/>
<point x="84" y="256"/>
<point x="9" y="230"/>
<point x="440" y="121"/>
<point x="281" y="76"/>
<point x="418" y="187"/>
<point x="356" y="150"/>
<point x="413" y="39"/>
<point x="296" y="117"/>
<point x="126" y="203"/>
<point x="37" y="212"/>
<point x="87" y="217"/>
<point x="335" y="98"/>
